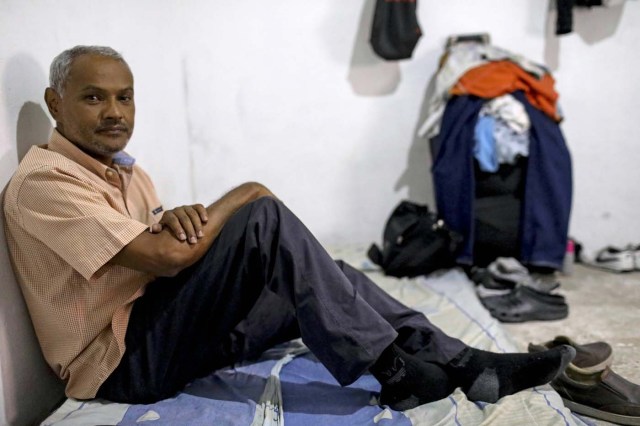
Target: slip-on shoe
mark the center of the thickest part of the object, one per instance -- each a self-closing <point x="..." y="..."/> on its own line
<point x="603" y="395"/>
<point x="590" y="357"/>
<point x="525" y="292"/>
<point x="525" y="304"/>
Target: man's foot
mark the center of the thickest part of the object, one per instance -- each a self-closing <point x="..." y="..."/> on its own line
<point x="488" y="376"/>
<point x="408" y="382"/>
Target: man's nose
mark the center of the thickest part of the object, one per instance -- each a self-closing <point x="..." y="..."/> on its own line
<point x="112" y="109"/>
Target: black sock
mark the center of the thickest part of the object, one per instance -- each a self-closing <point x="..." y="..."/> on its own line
<point x="488" y="376"/>
<point x="407" y="381"/>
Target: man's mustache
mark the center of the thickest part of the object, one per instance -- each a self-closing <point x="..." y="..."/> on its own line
<point x="112" y="127"/>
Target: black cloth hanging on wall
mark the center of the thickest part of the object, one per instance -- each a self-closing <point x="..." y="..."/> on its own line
<point x="395" y="31"/>
<point x="564" y="21"/>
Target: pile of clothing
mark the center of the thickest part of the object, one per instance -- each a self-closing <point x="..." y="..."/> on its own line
<point x="501" y="133"/>
<point x="487" y="71"/>
<point x="589" y="386"/>
<point x="489" y="109"/>
<point x="512" y="294"/>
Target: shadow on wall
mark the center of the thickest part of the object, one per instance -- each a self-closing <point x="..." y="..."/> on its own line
<point x="417" y="176"/>
<point x="33" y="128"/>
<point x="370" y="75"/>
<point x="24" y="83"/>
<point x="591" y="24"/>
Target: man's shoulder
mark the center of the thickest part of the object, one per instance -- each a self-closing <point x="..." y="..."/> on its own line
<point x="39" y="163"/>
<point x="39" y="158"/>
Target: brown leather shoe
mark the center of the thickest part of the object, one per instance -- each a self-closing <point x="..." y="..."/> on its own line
<point x="603" y="395"/>
<point x="590" y="357"/>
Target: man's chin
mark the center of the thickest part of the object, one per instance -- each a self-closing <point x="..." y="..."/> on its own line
<point x="110" y="145"/>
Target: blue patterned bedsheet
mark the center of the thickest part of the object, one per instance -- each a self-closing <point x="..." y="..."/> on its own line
<point x="289" y="386"/>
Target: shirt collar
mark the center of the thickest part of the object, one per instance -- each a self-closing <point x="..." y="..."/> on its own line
<point x="122" y="162"/>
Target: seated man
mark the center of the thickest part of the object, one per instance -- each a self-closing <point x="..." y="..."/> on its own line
<point x="131" y="302"/>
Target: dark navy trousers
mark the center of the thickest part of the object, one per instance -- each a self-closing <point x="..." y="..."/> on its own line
<point x="265" y="280"/>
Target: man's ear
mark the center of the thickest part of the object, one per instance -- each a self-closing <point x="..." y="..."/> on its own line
<point x="52" y="99"/>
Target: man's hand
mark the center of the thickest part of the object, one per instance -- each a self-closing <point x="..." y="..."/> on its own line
<point x="185" y="222"/>
<point x="165" y="253"/>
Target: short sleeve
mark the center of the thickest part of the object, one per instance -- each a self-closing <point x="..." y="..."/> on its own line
<point x="75" y="219"/>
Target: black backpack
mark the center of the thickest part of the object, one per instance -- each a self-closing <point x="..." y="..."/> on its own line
<point x="415" y="242"/>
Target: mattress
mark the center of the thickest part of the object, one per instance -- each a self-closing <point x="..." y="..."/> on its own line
<point x="288" y="385"/>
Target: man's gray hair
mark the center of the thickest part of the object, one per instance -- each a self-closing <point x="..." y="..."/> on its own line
<point x="61" y="65"/>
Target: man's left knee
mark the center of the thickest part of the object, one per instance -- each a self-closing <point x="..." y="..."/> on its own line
<point x="266" y="211"/>
<point x="266" y="202"/>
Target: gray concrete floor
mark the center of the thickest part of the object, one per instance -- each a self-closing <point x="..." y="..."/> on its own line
<point x="603" y="306"/>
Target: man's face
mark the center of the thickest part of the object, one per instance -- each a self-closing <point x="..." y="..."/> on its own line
<point x="96" y="111"/>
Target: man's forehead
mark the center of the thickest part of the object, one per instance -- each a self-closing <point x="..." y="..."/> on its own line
<point x="100" y="71"/>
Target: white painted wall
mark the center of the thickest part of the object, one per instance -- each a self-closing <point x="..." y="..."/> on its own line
<point x="289" y="93"/>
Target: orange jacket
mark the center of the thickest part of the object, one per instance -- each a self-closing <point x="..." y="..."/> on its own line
<point x="501" y="77"/>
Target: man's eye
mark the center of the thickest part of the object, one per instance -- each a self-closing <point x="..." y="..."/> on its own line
<point x="92" y="98"/>
<point x="126" y="99"/>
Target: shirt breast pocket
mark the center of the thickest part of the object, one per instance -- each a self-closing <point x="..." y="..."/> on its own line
<point x="156" y="214"/>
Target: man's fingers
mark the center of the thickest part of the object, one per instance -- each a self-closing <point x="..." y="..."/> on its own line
<point x="185" y="222"/>
<point x="155" y="228"/>
<point x="170" y="220"/>
<point x="202" y="212"/>
<point x="196" y="222"/>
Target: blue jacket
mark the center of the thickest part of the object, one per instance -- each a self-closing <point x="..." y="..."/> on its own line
<point x="546" y="206"/>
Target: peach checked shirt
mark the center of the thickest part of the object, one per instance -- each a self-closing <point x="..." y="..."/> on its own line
<point x="66" y="216"/>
